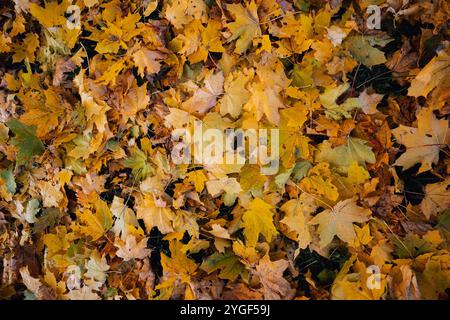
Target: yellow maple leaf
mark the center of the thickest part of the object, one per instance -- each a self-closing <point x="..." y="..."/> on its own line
<point x="266" y="98"/>
<point x="204" y="39"/>
<point x="94" y="224"/>
<point x="363" y="236"/>
<point x="319" y="182"/>
<point x="147" y="61"/>
<point x="229" y="186"/>
<point x="57" y="242"/>
<point x="437" y="198"/>
<point x="179" y="268"/>
<point x="115" y="34"/>
<point x="236" y="94"/>
<point x="339" y="220"/>
<point x="155" y="214"/>
<point x="298" y="213"/>
<point x="431" y="76"/>
<point x="354" y="285"/>
<point x="198" y="178"/>
<point x="44" y="112"/>
<point x="206" y="97"/>
<point x="50" y="15"/>
<point x="18" y="26"/>
<point x="245" y="26"/>
<point x="293" y="144"/>
<point x="294" y="117"/>
<point x="26" y="49"/>
<point x="424" y="142"/>
<point x="181" y="12"/>
<point x="258" y="219"/>
<point x="357" y="174"/>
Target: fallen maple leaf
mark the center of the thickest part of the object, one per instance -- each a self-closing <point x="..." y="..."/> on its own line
<point x="245" y="27"/>
<point x="274" y="286"/>
<point x="298" y="213"/>
<point x="132" y="249"/>
<point x="258" y="220"/>
<point x="339" y="220"/>
<point x="424" y="142"/>
<point x="437" y="198"/>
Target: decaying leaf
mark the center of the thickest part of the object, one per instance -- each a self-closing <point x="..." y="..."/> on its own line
<point x="339" y="221"/>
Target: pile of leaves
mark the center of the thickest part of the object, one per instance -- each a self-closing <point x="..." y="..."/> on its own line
<point x="92" y="206"/>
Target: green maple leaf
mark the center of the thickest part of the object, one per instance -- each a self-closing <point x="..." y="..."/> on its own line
<point x="25" y="139"/>
<point x="411" y="246"/>
<point x="444" y="226"/>
<point x="363" y="52"/>
<point x="354" y="150"/>
<point x="49" y="218"/>
<point x="8" y="176"/>
<point x="228" y="263"/>
<point x="137" y="162"/>
<point x="433" y="281"/>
